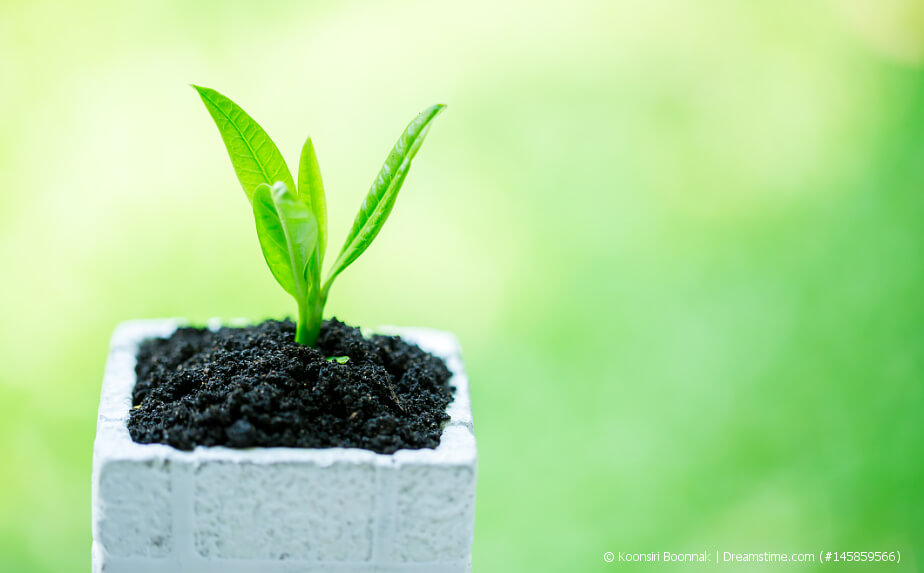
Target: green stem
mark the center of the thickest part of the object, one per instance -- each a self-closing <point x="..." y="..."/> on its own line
<point x="311" y="305"/>
<point x="309" y="323"/>
<point x="324" y="290"/>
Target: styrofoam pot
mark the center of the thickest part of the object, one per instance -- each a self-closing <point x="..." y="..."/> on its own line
<point x="216" y="509"/>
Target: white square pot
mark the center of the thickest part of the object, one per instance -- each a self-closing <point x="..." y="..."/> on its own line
<point x="160" y="509"/>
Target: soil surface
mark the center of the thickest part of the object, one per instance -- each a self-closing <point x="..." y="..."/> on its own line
<point x="255" y="387"/>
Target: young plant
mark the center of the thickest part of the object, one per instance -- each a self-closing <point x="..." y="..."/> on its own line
<point x="292" y="221"/>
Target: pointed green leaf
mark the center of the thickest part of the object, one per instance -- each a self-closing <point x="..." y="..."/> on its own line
<point x="301" y="232"/>
<point x="311" y="192"/>
<point x="272" y="238"/>
<point x="255" y="158"/>
<point x="381" y="197"/>
<point x="288" y="236"/>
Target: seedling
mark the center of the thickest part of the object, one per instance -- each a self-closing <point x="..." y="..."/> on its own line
<point x="292" y="221"/>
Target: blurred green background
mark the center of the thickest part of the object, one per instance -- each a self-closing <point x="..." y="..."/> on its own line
<point x="681" y="243"/>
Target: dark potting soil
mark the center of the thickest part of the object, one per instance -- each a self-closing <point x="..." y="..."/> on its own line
<point x="255" y="387"/>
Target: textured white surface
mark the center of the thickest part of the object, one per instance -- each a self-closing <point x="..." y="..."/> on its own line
<point x="339" y="510"/>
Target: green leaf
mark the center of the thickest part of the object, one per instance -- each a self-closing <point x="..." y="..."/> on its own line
<point x="301" y="231"/>
<point x="273" y="238"/>
<point x="254" y="156"/>
<point x="381" y="197"/>
<point x="311" y="192"/>
<point x="288" y="236"/>
<point x="338" y="359"/>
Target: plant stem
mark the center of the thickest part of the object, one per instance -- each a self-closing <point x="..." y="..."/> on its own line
<point x="309" y="323"/>
<point x="325" y="289"/>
